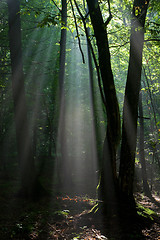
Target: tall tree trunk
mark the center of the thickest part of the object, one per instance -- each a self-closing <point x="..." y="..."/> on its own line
<point x="141" y="149"/>
<point x="93" y="163"/>
<point x="130" y="109"/>
<point x="63" y="47"/>
<point x="63" y="164"/>
<point x="25" y="155"/>
<point x="108" y="174"/>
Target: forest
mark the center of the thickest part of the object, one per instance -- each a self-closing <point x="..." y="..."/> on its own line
<point x="79" y="119"/>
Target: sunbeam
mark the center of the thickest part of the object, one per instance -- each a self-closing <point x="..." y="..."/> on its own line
<point x="68" y="120"/>
<point x="79" y="136"/>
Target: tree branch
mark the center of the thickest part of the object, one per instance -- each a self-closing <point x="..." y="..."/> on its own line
<point x="92" y="51"/>
<point x="110" y="14"/>
<point x="152" y="39"/>
<point x="57" y="6"/>
<point x="79" y="41"/>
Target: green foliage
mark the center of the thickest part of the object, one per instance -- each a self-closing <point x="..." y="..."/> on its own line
<point x="95" y="208"/>
<point x="155" y="6"/>
<point x="63" y="213"/>
<point x="145" y="212"/>
<point x="20" y="229"/>
<point x="49" y="20"/>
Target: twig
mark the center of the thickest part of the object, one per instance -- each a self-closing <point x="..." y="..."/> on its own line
<point x="57" y="6"/>
<point x="152" y="39"/>
<point x="92" y="51"/>
<point x="79" y="41"/>
<point x="146" y="118"/>
<point x="110" y="14"/>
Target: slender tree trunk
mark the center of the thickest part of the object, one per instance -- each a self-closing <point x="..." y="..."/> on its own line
<point x="63" y="168"/>
<point x="108" y="174"/>
<point x="24" y="148"/>
<point x="94" y="157"/>
<point x="63" y="47"/>
<point x="130" y="109"/>
<point x="141" y="149"/>
<point x="151" y="169"/>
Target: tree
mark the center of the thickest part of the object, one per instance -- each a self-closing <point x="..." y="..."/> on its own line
<point x="141" y="148"/>
<point x="130" y="109"/>
<point x="6" y="114"/>
<point x="44" y="119"/>
<point x="108" y="174"/>
<point x="61" y="127"/>
<point x="24" y="147"/>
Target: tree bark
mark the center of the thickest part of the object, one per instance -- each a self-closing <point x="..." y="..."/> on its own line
<point x="94" y="156"/>
<point x="63" y="165"/>
<point x="141" y="149"/>
<point x="130" y="109"/>
<point x="24" y="149"/>
<point x="63" y="47"/>
<point x="108" y="174"/>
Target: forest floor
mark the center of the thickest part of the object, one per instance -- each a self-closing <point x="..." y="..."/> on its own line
<point x="69" y="217"/>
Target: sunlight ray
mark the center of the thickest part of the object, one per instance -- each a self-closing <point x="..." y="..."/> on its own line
<point x="79" y="133"/>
